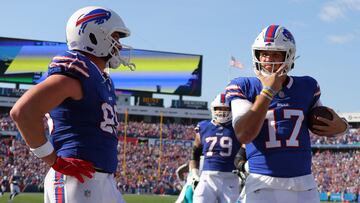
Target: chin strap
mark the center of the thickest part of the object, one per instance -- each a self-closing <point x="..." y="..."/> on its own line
<point x="131" y="66"/>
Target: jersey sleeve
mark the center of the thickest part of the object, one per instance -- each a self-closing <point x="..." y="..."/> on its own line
<point x="316" y="91"/>
<point x="235" y="90"/>
<point x="69" y="64"/>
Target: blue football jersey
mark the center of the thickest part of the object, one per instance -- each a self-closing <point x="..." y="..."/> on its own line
<point x="86" y="128"/>
<point x="220" y="146"/>
<point x="282" y="148"/>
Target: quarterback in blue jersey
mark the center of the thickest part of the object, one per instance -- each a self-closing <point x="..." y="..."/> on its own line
<point x="270" y="116"/>
<point x="216" y="140"/>
<point x="78" y="98"/>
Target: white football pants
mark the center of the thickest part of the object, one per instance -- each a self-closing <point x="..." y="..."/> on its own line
<point x="215" y="186"/>
<point x="267" y="195"/>
<point x="101" y="188"/>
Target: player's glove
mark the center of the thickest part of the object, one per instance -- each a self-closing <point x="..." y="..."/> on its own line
<point x="241" y="172"/>
<point x="74" y="167"/>
<point x="195" y="178"/>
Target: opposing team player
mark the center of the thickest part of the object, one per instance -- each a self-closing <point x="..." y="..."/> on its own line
<point x="14" y="184"/>
<point x="190" y="182"/>
<point x="270" y="117"/>
<point x="216" y="140"/>
<point x="3" y="185"/>
<point x="80" y="99"/>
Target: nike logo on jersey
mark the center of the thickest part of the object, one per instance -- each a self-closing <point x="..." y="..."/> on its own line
<point x="280" y="104"/>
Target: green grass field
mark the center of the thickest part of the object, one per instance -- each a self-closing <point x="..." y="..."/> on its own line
<point x="38" y="198"/>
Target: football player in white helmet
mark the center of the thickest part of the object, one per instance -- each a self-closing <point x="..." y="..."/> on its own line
<point x="220" y="109"/>
<point x="78" y="98"/>
<point x="90" y="30"/>
<point x="270" y="116"/>
<point x="215" y="139"/>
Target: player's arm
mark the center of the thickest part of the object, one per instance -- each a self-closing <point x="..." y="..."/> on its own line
<point x="29" y="110"/>
<point x="335" y="127"/>
<point x="28" y="113"/>
<point x="248" y="118"/>
<point x="195" y="161"/>
<point x="195" y="153"/>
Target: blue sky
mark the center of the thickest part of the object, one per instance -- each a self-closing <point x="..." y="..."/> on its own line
<point x="327" y="35"/>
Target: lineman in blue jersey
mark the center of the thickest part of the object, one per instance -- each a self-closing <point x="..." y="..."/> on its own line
<point x="216" y="140"/>
<point x="270" y="117"/>
<point x="80" y="99"/>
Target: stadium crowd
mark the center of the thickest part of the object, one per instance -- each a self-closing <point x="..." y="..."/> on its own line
<point x="6" y="124"/>
<point x="335" y="171"/>
<point x="151" y="130"/>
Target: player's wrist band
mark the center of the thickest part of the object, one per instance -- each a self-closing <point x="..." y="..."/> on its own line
<point x="44" y="150"/>
<point x="271" y="90"/>
<point x="267" y="95"/>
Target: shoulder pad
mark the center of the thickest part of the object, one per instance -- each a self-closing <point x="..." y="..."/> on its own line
<point x="69" y="63"/>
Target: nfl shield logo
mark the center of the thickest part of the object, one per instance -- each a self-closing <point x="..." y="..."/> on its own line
<point x="281" y="94"/>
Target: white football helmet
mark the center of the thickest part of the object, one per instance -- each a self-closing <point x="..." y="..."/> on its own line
<point x="274" y="38"/>
<point x="220" y="115"/>
<point x="89" y="29"/>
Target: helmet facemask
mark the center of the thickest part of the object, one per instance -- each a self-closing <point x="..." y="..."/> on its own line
<point x="260" y="66"/>
<point x="118" y="56"/>
<point x="221" y="114"/>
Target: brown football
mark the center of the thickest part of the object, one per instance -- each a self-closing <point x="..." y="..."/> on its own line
<point x="319" y="111"/>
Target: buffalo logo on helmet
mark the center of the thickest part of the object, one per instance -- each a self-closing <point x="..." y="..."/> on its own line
<point x="287" y="34"/>
<point x="99" y="16"/>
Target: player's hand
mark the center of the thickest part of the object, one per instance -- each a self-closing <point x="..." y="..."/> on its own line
<point x="332" y="127"/>
<point x="74" y="167"/>
<point x="240" y="170"/>
<point x="195" y="178"/>
<point x="275" y="80"/>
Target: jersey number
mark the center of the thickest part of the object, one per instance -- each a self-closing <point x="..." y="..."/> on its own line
<point x="271" y="122"/>
<point x="110" y="122"/>
<point x="225" y="143"/>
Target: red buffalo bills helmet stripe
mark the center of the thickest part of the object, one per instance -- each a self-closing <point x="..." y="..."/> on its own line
<point x="270" y="33"/>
